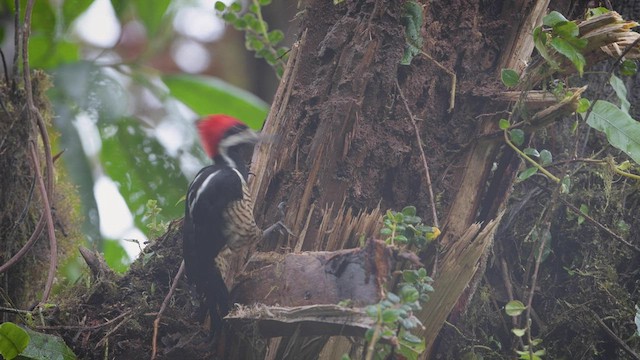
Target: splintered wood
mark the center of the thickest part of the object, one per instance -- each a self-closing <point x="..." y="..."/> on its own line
<point x="298" y="292"/>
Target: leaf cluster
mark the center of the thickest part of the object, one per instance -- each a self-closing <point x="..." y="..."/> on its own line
<point x="394" y="316"/>
<point x="406" y="228"/>
<point x="258" y="38"/>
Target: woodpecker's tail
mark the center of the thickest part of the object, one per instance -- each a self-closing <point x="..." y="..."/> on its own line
<point x="216" y="296"/>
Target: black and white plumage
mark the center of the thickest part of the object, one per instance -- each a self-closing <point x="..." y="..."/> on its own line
<point x="219" y="210"/>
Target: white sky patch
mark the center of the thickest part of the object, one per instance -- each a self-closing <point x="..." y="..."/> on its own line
<point x="190" y="56"/>
<point x="90" y="137"/>
<point x="115" y="217"/>
<point x="199" y="23"/>
<point x="99" y="25"/>
<point x="170" y="136"/>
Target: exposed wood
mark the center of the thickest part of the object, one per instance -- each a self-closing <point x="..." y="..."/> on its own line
<point x="533" y="99"/>
<point x="311" y="320"/>
<point x="312" y="278"/>
<point x="459" y="266"/>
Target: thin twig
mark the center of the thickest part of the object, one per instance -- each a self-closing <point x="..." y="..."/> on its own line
<point x="18" y="33"/>
<point x="156" y="322"/>
<point x="546" y="220"/>
<point x="51" y="231"/>
<point x="577" y="211"/>
<point x="83" y="328"/>
<point x="105" y="338"/>
<point x="46" y="190"/>
<point x="422" y="155"/>
<point x="615" y="337"/>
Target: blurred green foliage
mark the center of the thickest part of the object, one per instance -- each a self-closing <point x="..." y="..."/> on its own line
<point x="108" y="92"/>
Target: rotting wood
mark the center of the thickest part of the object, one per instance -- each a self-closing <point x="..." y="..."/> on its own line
<point x="312" y="278"/>
<point x="310" y="320"/>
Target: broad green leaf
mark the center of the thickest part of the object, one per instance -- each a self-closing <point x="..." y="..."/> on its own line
<point x="134" y="159"/>
<point x="47" y="54"/>
<point x="43" y="17"/>
<point x="570" y="52"/>
<point x="46" y="347"/>
<point x="527" y="173"/>
<point x="553" y="19"/>
<point x="566" y="29"/>
<point x="623" y="132"/>
<point x="621" y="91"/>
<point x="517" y="136"/>
<point x="518" y="332"/>
<point x="514" y="308"/>
<point x="409" y="294"/>
<point x="208" y="95"/>
<point x="151" y="13"/>
<point x="13" y="340"/>
<point x="116" y="256"/>
<point x="540" y="39"/>
<point x="71" y="9"/>
<point x="504" y="124"/>
<point x="510" y="78"/>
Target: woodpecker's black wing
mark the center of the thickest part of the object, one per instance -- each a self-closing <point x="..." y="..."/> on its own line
<point x="212" y="190"/>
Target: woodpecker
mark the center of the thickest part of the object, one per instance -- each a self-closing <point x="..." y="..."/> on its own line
<point x="219" y="209"/>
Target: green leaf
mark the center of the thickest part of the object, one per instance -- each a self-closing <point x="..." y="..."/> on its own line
<point x="570" y="52"/>
<point x="207" y="95"/>
<point x="386" y="231"/>
<point x="597" y="11"/>
<point x="566" y="184"/>
<point x="622" y="131"/>
<point x="514" y="308"/>
<point x="517" y="136"/>
<point x="583" y="105"/>
<point x="409" y="210"/>
<point x="540" y="39"/>
<point x="527" y="173"/>
<point x="116" y="256"/>
<point x="390" y="315"/>
<point x="71" y="9"/>
<point x="45" y="347"/>
<point x="628" y="68"/>
<point x="545" y="157"/>
<point x="13" y="340"/>
<point x="531" y="152"/>
<point x="553" y="19"/>
<point x="220" y="6"/>
<point x="510" y="78"/>
<point x="621" y="91"/>
<point x="504" y="124"/>
<point x="235" y="6"/>
<point x="410" y="346"/>
<point x="265" y="2"/>
<point x="566" y="30"/>
<point x="142" y="169"/>
<point x="275" y="37"/>
<point x="151" y="13"/>
<point x="409" y="294"/>
<point x="46" y="54"/>
<point x="519" y="332"/>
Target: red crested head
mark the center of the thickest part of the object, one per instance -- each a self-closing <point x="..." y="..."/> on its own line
<point x="219" y="132"/>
